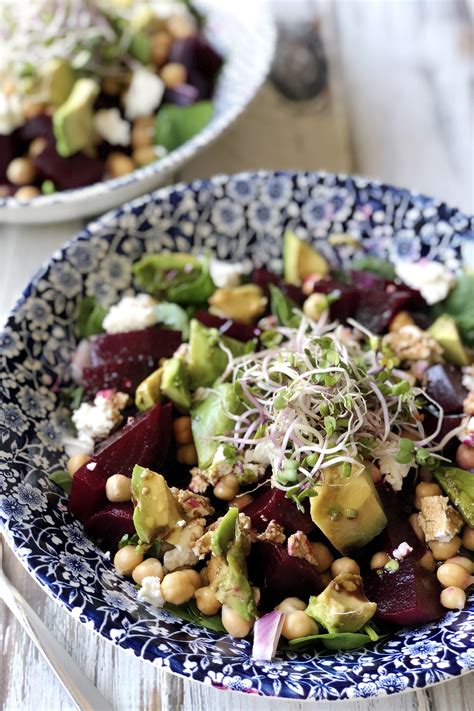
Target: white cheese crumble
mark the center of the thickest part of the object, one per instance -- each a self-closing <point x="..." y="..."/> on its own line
<point x="112" y="127"/>
<point x="402" y="551"/>
<point x="131" y="313"/>
<point x="178" y="557"/>
<point x="150" y="591"/>
<point x="95" y="422"/>
<point x="225" y="274"/>
<point x="144" y="94"/>
<point x="466" y="435"/>
<point x="431" y="279"/>
<point x="393" y="471"/>
<point x="11" y="113"/>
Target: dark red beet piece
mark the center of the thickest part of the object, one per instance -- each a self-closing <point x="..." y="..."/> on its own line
<point x="68" y="173"/>
<point x="144" y="440"/>
<point x="444" y="384"/>
<point x="196" y="54"/>
<point x="368" y="281"/>
<point x="450" y="422"/>
<point x="239" y="331"/>
<point x="398" y="529"/>
<point x="409" y="596"/>
<point x="348" y="300"/>
<point x="279" y="575"/>
<point x="39" y="126"/>
<point x="377" y="308"/>
<point x="273" y="505"/>
<point x="7" y="153"/>
<point x="262" y="277"/>
<point x="151" y="342"/>
<point x="123" y="375"/>
<point x="111" y="523"/>
<point x="182" y="95"/>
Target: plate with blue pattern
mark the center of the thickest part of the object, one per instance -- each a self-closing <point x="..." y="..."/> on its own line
<point x="238" y="218"/>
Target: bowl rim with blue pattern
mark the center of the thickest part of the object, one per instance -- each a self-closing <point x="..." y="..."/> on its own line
<point x="239" y="217"/>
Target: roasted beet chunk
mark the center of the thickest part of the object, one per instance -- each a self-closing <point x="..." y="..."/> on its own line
<point x="346" y="304"/>
<point x="262" y="277"/>
<point x="273" y="505"/>
<point x="408" y="596"/>
<point x="68" y="173"/>
<point x="111" y="523"/>
<point x="444" y="385"/>
<point x="152" y="342"/>
<point x="201" y="61"/>
<point x="123" y="375"/>
<point x="398" y="529"/>
<point x="7" y="153"/>
<point x="239" y="331"/>
<point x="279" y="575"/>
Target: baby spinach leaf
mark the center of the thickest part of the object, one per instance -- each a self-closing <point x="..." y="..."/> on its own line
<point x="334" y="640"/>
<point x="61" y="478"/>
<point x="90" y="317"/>
<point x="376" y="265"/>
<point x="177" y="124"/>
<point x="283" y="308"/>
<point x="190" y="613"/>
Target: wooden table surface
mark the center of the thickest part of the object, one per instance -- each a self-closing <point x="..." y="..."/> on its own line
<point x="399" y="107"/>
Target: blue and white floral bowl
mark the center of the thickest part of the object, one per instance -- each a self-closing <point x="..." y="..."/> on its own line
<point x="239" y="218"/>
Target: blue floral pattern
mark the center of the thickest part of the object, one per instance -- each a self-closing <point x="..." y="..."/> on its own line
<point x="239" y="218"/>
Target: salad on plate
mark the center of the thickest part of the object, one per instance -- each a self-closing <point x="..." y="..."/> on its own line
<point x="288" y="457"/>
<point x="94" y="89"/>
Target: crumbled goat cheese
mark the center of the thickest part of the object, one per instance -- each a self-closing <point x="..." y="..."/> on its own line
<point x="112" y="127"/>
<point x="411" y="343"/>
<point x="468" y="404"/>
<point x="131" y="313"/>
<point x="11" y="113"/>
<point x="95" y="422"/>
<point x="74" y="445"/>
<point x="393" y="471"/>
<point x="431" y="279"/>
<point x="466" y="435"/>
<point x="468" y="377"/>
<point x="144" y="94"/>
<point x="402" y="551"/>
<point x="179" y="557"/>
<point x="438" y="520"/>
<point x="150" y="591"/>
<point x="300" y="547"/>
<point x="193" y="505"/>
<point x="225" y="274"/>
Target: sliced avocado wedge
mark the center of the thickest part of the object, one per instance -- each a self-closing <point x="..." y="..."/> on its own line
<point x="206" y="360"/>
<point x="175" y="383"/>
<point x="148" y="393"/>
<point x="342" y="606"/>
<point x="300" y="260"/>
<point x="156" y="511"/>
<point x="445" y="332"/>
<point x="210" y="418"/>
<point x="458" y="484"/>
<point x="348" y="509"/>
<point x="73" y="121"/>
<point x="57" y="78"/>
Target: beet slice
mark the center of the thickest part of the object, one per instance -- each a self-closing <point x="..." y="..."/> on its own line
<point x="68" y="173"/>
<point x="122" y="375"/>
<point x="196" y="54"/>
<point x="444" y="384"/>
<point x="239" y="331"/>
<point x="263" y="277"/>
<point x="398" y="528"/>
<point x="279" y="575"/>
<point x="111" y="523"/>
<point x="348" y="300"/>
<point x="155" y="343"/>
<point x="7" y="153"/>
<point x="273" y="505"/>
<point x="409" y="596"/>
<point x="181" y="95"/>
<point x="144" y="440"/>
<point x="39" y="126"/>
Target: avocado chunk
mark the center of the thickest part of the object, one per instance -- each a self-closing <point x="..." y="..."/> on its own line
<point x="148" y="392"/>
<point x="458" y="484"/>
<point x="348" y="509"/>
<point x="342" y="606"/>
<point x="445" y="332"/>
<point x="73" y="121"/>
<point x="300" y="260"/>
<point x="180" y="278"/>
<point x="206" y="360"/>
<point x="210" y="418"/>
<point x="231" y="584"/>
<point x="175" y="383"/>
<point x="156" y="511"/>
<point x="57" y="79"/>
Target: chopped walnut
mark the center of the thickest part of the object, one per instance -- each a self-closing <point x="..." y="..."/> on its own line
<point x="273" y="533"/>
<point x="438" y="520"/>
<point x="194" y="505"/>
<point x="468" y="404"/>
<point x="199" y="481"/>
<point x="411" y="343"/>
<point x="300" y="547"/>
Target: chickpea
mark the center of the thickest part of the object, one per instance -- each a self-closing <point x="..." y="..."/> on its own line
<point x="213" y="567"/>
<point x="235" y="624"/>
<point x="160" y="47"/>
<point x="180" y="27"/>
<point x="401" y="319"/>
<point x="151" y="567"/>
<point x="204" y="578"/>
<point x="344" y="565"/>
<point x="241" y="501"/>
<point x="415" y="524"/>
<point x="464" y="562"/>
<point x="76" y="462"/>
<point x="144" y="156"/>
<point x="428" y="562"/>
<point x="227" y="488"/>
<point x="37" y="146"/>
<point x="452" y="575"/>
<point x="187" y="454"/>
<point x="182" y="430"/>
<point x="425" y="488"/>
<point x="443" y="551"/>
<point x="143" y="132"/>
<point x="173" y="74"/>
<point x="118" y="488"/>
<point x="323" y="555"/>
<point x="32" y="109"/>
<point x="118" y="164"/>
<point x="207" y="601"/>
<point x="177" y="587"/>
<point x="465" y="457"/>
<point x="315" y="305"/>
<point x="453" y="598"/>
<point x="27" y="192"/>
<point x="290" y="604"/>
<point x="21" y="171"/>
<point x="378" y="560"/>
<point x="298" y="624"/>
<point x="126" y="560"/>
<point x="468" y="538"/>
<point x="194" y="577"/>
